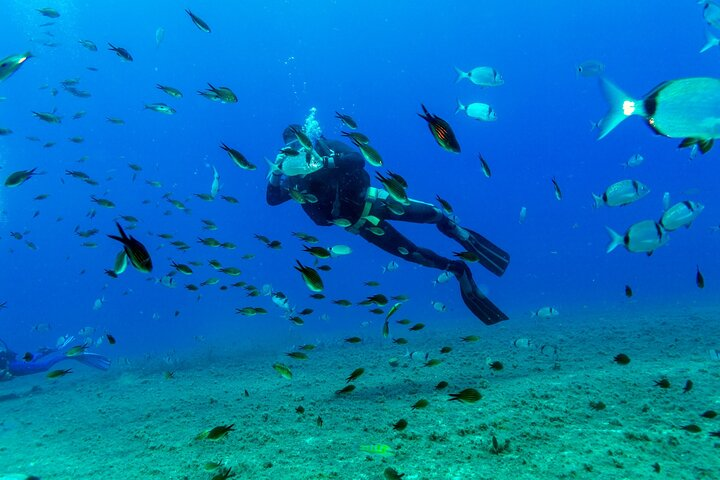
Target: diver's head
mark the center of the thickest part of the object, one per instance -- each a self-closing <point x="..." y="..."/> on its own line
<point x="289" y="136"/>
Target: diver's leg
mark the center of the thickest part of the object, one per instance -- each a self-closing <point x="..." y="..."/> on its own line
<point x="393" y="242"/>
<point x="399" y="245"/>
<point x="489" y="255"/>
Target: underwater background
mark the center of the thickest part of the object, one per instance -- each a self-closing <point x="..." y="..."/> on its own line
<point x="378" y="62"/>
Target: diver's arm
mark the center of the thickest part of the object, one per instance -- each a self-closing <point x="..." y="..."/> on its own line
<point x="343" y="156"/>
<point x="345" y="161"/>
<point x="276" y="194"/>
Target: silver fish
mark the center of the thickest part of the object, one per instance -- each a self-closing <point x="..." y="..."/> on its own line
<point x="621" y="193"/>
<point x="645" y="236"/>
<point x="686" y="108"/>
<point x="682" y="214"/>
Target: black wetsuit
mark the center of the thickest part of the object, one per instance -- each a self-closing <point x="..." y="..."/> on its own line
<point x="341" y="192"/>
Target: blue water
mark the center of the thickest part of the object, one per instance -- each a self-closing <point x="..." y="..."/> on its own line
<point x="377" y="62"/>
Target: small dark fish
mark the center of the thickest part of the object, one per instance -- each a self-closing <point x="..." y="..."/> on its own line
<point x="111" y="340"/>
<point x="715" y="434"/>
<point x="300" y="409"/>
<point x="709" y="414"/>
<point x="597" y="406"/>
<point x="441" y="385"/>
<point x="27" y="357"/>
<point x="485" y="167"/>
<point x="445" y="205"/>
<point x="420" y="404"/>
<point x="199" y="23"/>
<point x="392" y="474"/>
<point x="353" y="340"/>
<point x="216" y="433"/>
<point x="135" y="251"/>
<point x="469" y="395"/>
<point x="628" y="291"/>
<point x="699" y="279"/>
<point x="441" y="131"/>
<point x="345" y="390"/>
<point x="656" y="467"/>
<point x="121" y="52"/>
<point x="347" y="120"/>
<point x="496" y="366"/>
<point x="692" y="428"/>
<point x="688" y="386"/>
<point x="400" y="425"/>
<point x="48" y="12"/>
<point x="19" y="177"/>
<point x="58" y="373"/>
<point x="662" y="383"/>
<point x="319" y="421"/>
<point x="356" y="137"/>
<point x="621" y="359"/>
<point x="556" y="187"/>
<point x="310" y="277"/>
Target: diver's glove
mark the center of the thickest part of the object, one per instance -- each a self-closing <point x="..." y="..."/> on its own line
<point x="329" y="161"/>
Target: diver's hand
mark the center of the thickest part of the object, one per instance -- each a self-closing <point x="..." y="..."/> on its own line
<point x="328" y="162"/>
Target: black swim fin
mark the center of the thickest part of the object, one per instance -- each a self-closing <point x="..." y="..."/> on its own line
<point x="489" y="255"/>
<point x="479" y="304"/>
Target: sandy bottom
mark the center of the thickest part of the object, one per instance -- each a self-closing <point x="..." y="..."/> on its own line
<point x="132" y="423"/>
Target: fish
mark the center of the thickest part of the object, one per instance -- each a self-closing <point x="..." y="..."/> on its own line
<point x="357" y="373"/>
<point x="356" y="137"/>
<point x="482" y="76"/>
<point x="160" y="108"/>
<point x="628" y="291"/>
<point x="121" y="52"/>
<point x="89" y="45"/>
<point x="420" y="404"/>
<point x="370" y="155"/>
<point x="391" y="474"/>
<point x="199" y="22"/>
<point x="339" y="250"/>
<point x="49" y="117"/>
<point x="590" y="68"/>
<point x="215" y="433"/>
<point x="469" y="395"/>
<point x="219" y="94"/>
<point x="441" y="131"/>
<point x="621" y="193"/>
<point x="642" y="237"/>
<point x="710" y="41"/>
<point x="556" y="188"/>
<point x="58" y="373"/>
<point x="391" y="266"/>
<point x="666" y="201"/>
<point x="238" y="158"/>
<point x="347" y="120"/>
<point x="10" y="65"/>
<point x="383" y="450"/>
<point x="523" y="215"/>
<point x="310" y="277"/>
<point x="682" y="214"/>
<point x="477" y="111"/>
<point x="485" y="167"/>
<point x="215" y="186"/>
<point x="135" y="251"/>
<point x="159" y="36"/>
<point x="345" y="390"/>
<point x="438" y="306"/>
<point x="394" y="188"/>
<point x="545" y="313"/>
<point x="48" y="12"/>
<point x="18" y="178"/>
<point x="283" y="370"/>
<point x="686" y="108"/>
<point x="699" y="279"/>
<point x="173" y="92"/>
<point x="711" y="13"/>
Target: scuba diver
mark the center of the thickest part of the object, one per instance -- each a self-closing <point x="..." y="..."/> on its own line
<point x="11" y="365"/>
<point x="330" y="181"/>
